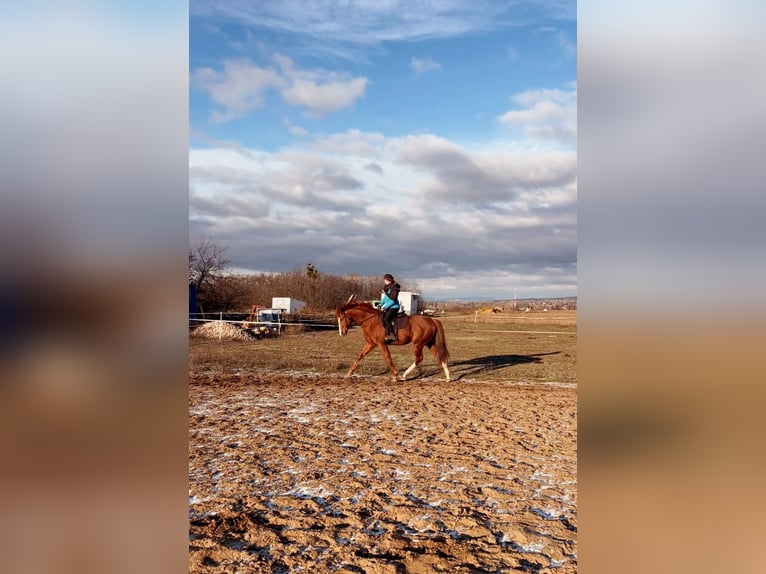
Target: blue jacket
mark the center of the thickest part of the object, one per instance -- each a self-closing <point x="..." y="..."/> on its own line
<point x="386" y="302"/>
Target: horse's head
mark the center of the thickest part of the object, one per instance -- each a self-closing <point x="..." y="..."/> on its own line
<point x="344" y="321"/>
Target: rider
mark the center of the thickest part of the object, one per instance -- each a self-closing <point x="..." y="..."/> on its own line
<point x="389" y="302"/>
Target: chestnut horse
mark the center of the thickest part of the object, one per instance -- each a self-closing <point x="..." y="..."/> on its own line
<point x="420" y="331"/>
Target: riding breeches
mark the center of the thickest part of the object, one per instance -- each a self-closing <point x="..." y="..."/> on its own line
<point x="389" y="316"/>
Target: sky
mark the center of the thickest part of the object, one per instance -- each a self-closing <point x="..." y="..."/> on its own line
<point x="433" y="140"/>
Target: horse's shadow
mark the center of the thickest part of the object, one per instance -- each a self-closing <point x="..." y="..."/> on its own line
<point x="476" y="365"/>
<point x="493" y="363"/>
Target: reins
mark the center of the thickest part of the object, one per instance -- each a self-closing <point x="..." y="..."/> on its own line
<point x="367" y="319"/>
<point x="363" y="320"/>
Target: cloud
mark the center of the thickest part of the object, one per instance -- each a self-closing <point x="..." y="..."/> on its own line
<point x="422" y="65"/>
<point x="319" y="91"/>
<point x="229" y="204"/>
<point x="374" y="167"/>
<point x="240" y="87"/>
<point x="451" y="218"/>
<point x="547" y="115"/>
<point x="298" y="131"/>
<point x="351" y="143"/>
<point x="327" y="24"/>
<point x="568" y="47"/>
<point x="321" y="99"/>
<point x="482" y="179"/>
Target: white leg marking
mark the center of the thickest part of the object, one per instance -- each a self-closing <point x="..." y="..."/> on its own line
<point x="446" y="371"/>
<point x="409" y="370"/>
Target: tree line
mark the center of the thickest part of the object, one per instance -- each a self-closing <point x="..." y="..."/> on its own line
<point x="219" y="291"/>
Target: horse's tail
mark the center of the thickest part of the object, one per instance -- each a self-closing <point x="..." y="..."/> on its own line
<point x="442" y="354"/>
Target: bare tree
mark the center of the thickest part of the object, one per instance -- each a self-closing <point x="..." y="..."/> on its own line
<point x="206" y="259"/>
<point x="311" y="270"/>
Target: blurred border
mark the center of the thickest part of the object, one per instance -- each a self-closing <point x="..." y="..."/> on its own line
<point x="671" y="283"/>
<point x="93" y="286"/>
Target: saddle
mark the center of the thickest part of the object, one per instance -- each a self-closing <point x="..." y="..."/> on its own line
<point x="401" y="321"/>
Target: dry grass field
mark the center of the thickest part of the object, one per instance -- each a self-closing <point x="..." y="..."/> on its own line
<point x="518" y="347"/>
<point x="294" y="468"/>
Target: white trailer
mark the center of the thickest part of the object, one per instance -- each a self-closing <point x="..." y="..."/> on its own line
<point x="410" y="302"/>
<point x="287" y="304"/>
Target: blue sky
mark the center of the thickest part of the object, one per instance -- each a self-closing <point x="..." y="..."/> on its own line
<point x="433" y="140"/>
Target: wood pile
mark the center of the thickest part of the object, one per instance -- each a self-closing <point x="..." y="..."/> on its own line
<point x="223" y="331"/>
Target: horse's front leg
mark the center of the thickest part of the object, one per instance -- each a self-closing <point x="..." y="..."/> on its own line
<point x="387" y="355"/>
<point x="367" y="348"/>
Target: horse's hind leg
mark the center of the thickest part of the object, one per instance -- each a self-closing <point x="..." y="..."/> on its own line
<point x="367" y="348"/>
<point x="442" y="363"/>
<point x="418" y="350"/>
<point x="446" y="371"/>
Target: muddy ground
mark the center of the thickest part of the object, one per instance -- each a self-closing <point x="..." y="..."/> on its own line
<point x="311" y="472"/>
<point x="295" y="469"/>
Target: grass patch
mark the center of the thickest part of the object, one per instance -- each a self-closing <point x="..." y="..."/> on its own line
<point x="533" y="347"/>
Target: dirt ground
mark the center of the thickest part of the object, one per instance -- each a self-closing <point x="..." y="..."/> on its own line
<point x="298" y="471"/>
